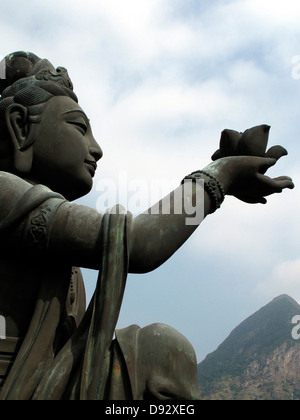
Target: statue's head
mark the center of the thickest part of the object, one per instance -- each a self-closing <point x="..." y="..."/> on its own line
<point x="45" y="137"/>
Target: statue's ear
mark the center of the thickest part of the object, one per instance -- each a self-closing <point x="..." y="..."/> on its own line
<point x="17" y="124"/>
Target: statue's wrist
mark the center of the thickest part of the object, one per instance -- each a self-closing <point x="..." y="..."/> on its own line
<point x="220" y="171"/>
<point x="211" y="185"/>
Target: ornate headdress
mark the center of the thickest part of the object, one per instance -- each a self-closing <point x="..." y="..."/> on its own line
<point x="24" y="69"/>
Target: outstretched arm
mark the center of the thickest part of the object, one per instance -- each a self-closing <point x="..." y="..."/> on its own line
<point x="35" y="221"/>
<point x="156" y="236"/>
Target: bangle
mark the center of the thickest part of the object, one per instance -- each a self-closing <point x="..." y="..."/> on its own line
<point x="211" y="185"/>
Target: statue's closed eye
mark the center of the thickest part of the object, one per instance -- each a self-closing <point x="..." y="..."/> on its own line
<point x="81" y="126"/>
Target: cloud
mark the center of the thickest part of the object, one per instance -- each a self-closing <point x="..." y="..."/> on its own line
<point x="273" y="12"/>
<point x="284" y="279"/>
<point x="160" y="79"/>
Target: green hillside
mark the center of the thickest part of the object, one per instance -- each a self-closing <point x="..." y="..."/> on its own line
<point x="247" y="350"/>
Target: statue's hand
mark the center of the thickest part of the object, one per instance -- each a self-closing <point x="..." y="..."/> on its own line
<point x="243" y="177"/>
<point x="252" y="142"/>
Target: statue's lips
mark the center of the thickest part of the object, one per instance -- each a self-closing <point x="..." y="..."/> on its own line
<point x="92" y="165"/>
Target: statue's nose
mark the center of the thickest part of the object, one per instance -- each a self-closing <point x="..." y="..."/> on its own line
<point x="95" y="150"/>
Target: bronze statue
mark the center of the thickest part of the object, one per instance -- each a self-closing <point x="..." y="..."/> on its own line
<point x="55" y="348"/>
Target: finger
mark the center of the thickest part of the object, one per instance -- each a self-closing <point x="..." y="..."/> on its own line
<point x="276" y="152"/>
<point x="285" y="182"/>
<point x="266" y="164"/>
<point x="270" y="186"/>
<point x="252" y="199"/>
<point x="257" y="200"/>
<point x="280" y="178"/>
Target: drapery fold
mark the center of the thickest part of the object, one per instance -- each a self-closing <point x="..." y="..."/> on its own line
<point x="81" y="369"/>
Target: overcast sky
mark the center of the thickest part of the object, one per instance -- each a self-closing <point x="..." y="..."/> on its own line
<point x="160" y="80"/>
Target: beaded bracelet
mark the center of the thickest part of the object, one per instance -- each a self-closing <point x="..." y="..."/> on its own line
<point x="211" y="185"/>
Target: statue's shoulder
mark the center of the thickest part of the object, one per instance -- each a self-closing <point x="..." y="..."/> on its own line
<point x="18" y="198"/>
<point x="12" y="188"/>
<point x="8" y="179"/>
<point x="13" y="184"/>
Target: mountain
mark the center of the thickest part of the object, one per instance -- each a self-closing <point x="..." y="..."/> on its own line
<point x="259" y="360"/>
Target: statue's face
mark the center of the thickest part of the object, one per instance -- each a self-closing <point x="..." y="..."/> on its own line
<point x="64" y="152"/>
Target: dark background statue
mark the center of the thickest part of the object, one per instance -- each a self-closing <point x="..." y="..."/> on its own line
<point x="55" y="347"/>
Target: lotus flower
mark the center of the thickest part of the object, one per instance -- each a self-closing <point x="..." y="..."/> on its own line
<point x="252" y="142"/>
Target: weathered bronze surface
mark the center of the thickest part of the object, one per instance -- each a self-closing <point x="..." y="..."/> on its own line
<point x="56" y="348"/>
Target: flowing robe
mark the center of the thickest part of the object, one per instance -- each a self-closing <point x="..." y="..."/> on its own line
<point x="49" y="364"/>
<point x="68" y="352"/>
